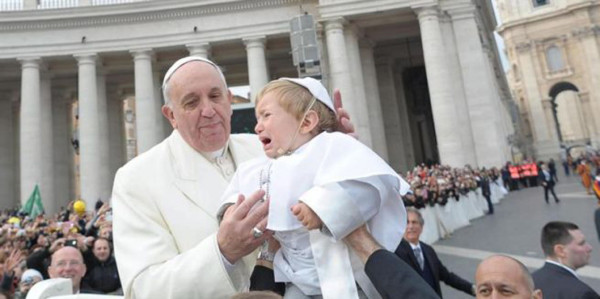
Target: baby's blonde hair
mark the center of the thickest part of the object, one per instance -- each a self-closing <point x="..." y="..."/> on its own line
<point x="295" y="99"/>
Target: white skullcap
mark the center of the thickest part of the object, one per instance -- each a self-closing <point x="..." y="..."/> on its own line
<point x="179" y="63"/>
<point x="31" y="273"/>
<point x="315" y="88"/>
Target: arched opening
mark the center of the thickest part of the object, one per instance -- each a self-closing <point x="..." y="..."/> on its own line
<point x="567" y="112"/>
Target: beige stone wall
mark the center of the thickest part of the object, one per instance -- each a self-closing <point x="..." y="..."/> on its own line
<point x="572" y="28"/>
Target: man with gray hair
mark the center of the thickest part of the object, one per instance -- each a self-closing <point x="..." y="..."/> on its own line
<point x="165" y="201"/>
<point x="502" y="276"/>
<point x="423" y="259"/>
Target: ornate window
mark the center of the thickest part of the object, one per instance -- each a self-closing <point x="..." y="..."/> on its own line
<point x="554" y="59"/>
<point x="537" y="3"/>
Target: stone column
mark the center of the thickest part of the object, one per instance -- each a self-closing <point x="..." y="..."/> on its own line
<point x="545" y="139"/>
<point x="440" y="81"/>
<point x="339" y="75"/>
<point x="372" y="99"/>
<point x="549" y="116"/>
<point x="89" y="131"/>
<point x="324" y="58"/>
<point x="30" y="128"/>
<point x="354" y="61"/>
<point x="257" y="64"/>
<point x="147" y="125"/>
<point x="105" y="180"/>
<point x="591" y="50"/>
<point x="463" y="123"/>
<point x="481" y="97"/>
<point x="164" y="128"/>
<point x="390" y="115"/>
<point x="47" y="143"/>
<point x="199" y="49"/>
<point x="405" y="116"/>
<point x="116" y="128"/>
<point x="63" y="149"/>
<point x="7" y="154"/>
<point x="588" y="121"/>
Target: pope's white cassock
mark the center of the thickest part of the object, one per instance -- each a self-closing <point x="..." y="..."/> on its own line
<point x="346" y="184"/>
<point x="165" y="203"/>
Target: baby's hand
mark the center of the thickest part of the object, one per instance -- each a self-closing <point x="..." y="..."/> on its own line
<point x="307" y="216"/>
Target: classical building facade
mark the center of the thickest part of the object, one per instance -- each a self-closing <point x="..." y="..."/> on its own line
<point x="554" y="50"/>
<point x="421" y="79"/>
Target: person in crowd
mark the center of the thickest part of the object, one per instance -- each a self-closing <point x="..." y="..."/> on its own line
<point x="94" y="226"/>
<point x="547" y="180"/>
<point x="423" y="259"/>
<point x="566" y="250"/>
<point x="552" y="169"/>
<point x="484" y="184"/>
<point x="29" y="278"/>
<point x="393" y="278"/>
<point x="67" y="262"/>
<point x="40" y="259"/>
<point x="162" y="194"/>
<point x="596" y="189"/>
<point x="505" y="174"/>
<point x="102" y="273"/>
<point x="12" y="270"/>
<point x="297" y="124"/>
<point x="500" y="276"/>
<point x="585" y="172"/>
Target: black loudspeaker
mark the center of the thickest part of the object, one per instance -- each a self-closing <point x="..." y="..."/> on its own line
<point x="305" y="48"/>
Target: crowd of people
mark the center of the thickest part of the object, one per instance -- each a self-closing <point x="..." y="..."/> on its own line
<point x="171" y="226"/>
<point x="70" y="244"/>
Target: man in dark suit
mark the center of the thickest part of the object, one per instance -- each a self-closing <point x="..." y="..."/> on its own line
<point x="547" y="179"/>
<point x="423" y="259"/>
<point x="566" y="250"/>
<point x="391" y="276"/>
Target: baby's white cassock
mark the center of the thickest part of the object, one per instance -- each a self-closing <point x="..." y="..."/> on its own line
<point x="346" y="184"/>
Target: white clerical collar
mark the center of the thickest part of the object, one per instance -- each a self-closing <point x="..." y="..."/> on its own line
<point x="563" y="266"/>
<point x="213" y="156"/>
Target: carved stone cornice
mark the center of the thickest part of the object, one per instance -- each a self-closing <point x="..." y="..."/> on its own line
<point x="137" y="13"/>
<point x="586" y="31"/>
<point x="523" y="46"/>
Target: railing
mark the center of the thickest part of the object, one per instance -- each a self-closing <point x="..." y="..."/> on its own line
<point x="8" y="5"/>
<point x="13" y="5"/>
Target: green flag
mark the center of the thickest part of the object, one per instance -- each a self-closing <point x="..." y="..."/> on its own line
<point x="34" y="206"/>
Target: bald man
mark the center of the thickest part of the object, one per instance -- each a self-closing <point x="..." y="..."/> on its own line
<point x="67" y="262"/>
<point x="501" y="276"/>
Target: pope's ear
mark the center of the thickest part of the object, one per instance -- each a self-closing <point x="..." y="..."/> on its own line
<point x="310" y="122"/>
<point x="167" y="111"/>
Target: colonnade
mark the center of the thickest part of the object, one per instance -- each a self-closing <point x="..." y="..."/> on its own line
<point x="463" y="118"/>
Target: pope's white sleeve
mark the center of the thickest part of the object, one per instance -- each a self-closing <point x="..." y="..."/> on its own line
<point x="151" y="264"/>
<point x="343" y="206"/>
<point x="230" y="196"/>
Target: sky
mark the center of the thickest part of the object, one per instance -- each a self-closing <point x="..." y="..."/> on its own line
<point x="499" y="40"/>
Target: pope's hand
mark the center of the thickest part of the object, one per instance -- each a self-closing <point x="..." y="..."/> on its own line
<point x="307" y="216"/>
<point x="235" y="237"/>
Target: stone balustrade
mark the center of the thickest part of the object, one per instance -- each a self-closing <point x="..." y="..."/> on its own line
<point x="14" y="5"/>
